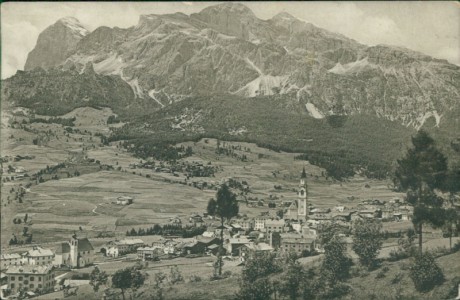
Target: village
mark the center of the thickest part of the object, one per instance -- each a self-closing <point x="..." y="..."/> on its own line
<point x="288" y="227"/>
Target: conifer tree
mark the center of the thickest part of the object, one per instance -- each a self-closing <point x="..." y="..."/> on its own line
<point x="419" y="173"/>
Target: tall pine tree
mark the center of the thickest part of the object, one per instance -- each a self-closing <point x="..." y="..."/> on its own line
<point x="225" y="207"/>
<point x="419" y="173"/>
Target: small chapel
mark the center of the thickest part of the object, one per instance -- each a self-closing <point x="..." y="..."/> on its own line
<point x="298" y="210"/>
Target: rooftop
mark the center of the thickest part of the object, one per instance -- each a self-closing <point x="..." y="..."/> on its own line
<point x="129" y="242"/>
<point x="260" y="247"/>
<point x="39" y="251"/>
<point x="242" y="240"/>
<point x="84" y="245"/>
<point x="274" y="222"/>
<point x="297" y="238"/>
<point x="10" y="256"/>
<point x="147" y="248"/>
<point x="29" y="269"/>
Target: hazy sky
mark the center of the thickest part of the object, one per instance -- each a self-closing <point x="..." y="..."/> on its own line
<point x="429" y="27"/>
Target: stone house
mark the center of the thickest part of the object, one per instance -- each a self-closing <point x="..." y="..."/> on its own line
<point x="117" y="248"/>
<point x="292" y="242"/>
<point x="149" y="253"/>
<point x="274" y="226"/>
<point x="38" y="256"/>
<point x="251" y="250"/>
<point x="31" y="277"/>
<point x="259" y="224"/>
<point x="13" y="259"/>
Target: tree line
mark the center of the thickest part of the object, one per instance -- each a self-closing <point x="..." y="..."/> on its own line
<point x="168" y="229"/>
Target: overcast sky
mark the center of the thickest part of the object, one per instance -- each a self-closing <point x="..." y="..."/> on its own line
<point x="429" y="27"/>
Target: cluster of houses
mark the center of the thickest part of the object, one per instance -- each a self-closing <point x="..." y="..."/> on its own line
<point x="296" y="231"/>
<point x="394" y="210"/>
<point x="14" y="172"/>
<point x="34" y="269"/>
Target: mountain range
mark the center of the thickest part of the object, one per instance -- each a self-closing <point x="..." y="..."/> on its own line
<point x="226" y="50"/>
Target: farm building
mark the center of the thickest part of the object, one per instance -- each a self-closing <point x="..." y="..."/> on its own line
<point x="233" y="244"/>
<point x="124" y="200"/>
<point x="200" y="244"/>
<point x="196" y="218"/>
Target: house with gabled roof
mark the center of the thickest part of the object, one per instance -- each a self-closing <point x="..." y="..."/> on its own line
<point x="120" y="247"/>
<point x="233" y="244"/>
<point x="38" y="256"/>
<point x="30" y="278"/>
<point x="297" y="242"/>
<point x="248" y="251"/>
<point x="7" y="259"/>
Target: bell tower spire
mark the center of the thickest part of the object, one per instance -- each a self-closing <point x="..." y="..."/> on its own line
<point x="302" y="195"/>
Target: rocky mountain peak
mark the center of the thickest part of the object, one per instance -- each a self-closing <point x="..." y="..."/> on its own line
<point x="225" y="48"/>
<point x="228" y="18"/>
<point x="74" y="25"/>
<point x="55" y="43"/>
<point x="284" y="16"/>
<point x="229" y="8"/>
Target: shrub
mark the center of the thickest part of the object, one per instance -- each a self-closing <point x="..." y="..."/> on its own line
<point x="227" y="273"/>
<point x="441" y="251"/>
<point x="456" y="247"/>
<point x="425" y="272"/>
<point x="452" y="290"/>
<point x="367" y="241"/>
<point x="337" y="291"/>
<point x="364" y="274"/>
<point x="175" y="276"/>
<point x="404" y="266"/>
<point x="80" y="276"/>
<point x="397" y="278"/>
<point x="380" y="275"/>
<point x="396" y="255"/>
<point x="195" y="278"/>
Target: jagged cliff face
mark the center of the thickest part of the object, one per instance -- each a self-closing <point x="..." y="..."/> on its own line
<point x="55" y="43"/>
<point x="226" y="49"/>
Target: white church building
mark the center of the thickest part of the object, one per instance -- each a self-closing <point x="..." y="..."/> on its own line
<point x="298" y="210"/>
<point x="76" y="253"/>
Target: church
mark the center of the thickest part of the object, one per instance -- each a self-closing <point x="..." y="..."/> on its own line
<point x="298" y="209"/>
<point x="76" y="253"/>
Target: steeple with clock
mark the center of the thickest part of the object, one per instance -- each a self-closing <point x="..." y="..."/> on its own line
<point x="303" y="196"/>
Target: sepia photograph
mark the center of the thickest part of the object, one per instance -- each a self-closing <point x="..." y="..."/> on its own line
<point x="254" y="150"/>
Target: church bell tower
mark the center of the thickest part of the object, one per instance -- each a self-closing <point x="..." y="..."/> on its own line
<point x="74" y="250"/>
<point x="302" y="195"/>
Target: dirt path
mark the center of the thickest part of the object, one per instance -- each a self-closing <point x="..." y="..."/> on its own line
<point x="95" y="207"/>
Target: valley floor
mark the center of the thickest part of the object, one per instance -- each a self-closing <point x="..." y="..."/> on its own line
<point x="80" y="195"/>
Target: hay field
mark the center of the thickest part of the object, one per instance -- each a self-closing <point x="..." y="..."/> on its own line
<point x="62" y="206"/>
